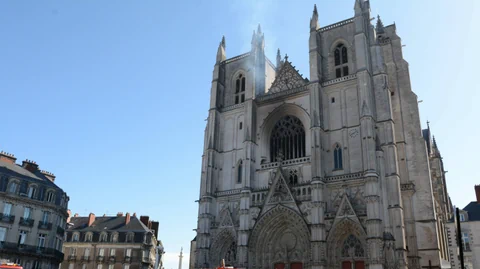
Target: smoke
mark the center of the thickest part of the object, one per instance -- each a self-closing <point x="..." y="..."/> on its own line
<point x="254" y="12"/>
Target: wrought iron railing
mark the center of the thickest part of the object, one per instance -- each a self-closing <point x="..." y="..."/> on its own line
<point x="26" y="222"/>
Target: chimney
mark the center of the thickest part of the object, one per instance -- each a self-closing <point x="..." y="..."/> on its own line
<point x="48" y="175"/>
<point x="135" y="214"/>
<point x="477" y="192"/>
<point x="120" y="214"/>
<point x="144" y="220"/>
<point x="7" y="157"/>
<point x="155" y="228"/>
<point x="127" y="218"/>
<point x="30" y="165"/>
<point x="91" y="219"/>
<point x="76" y="215"/>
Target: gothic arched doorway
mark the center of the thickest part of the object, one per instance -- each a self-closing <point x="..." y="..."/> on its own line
<point x="280" y="240"/>
<point x="346" y="246"/>
<point x="224" y="247"/>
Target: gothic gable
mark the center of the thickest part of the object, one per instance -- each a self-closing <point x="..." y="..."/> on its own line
<point x="279" y="193"/>
<point x="288" y="78"/>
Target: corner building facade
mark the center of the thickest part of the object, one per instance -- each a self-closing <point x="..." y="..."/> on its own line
<point x="326" y="172"/>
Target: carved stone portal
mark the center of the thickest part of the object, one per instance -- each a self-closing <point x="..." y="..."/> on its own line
<point x="281" y="236"/>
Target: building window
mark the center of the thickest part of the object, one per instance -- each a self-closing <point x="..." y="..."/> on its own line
<point x="333" y="100"/>
<point x="112" y="252"/>
<point x="13" y="187"/>
<point x="76" y="237"/>
<point x="114" y="237"/>
<point x="32" y="192"/>
<point x="129" y="237"/>
<point x="341" y="61"/>
<point x="7" y="209"/>
<point x="128" y="252"/>
<point x="41" y="240"/>
<point x="27" y="213"/>
<point x="337" y="158"/>
<point x="103" y="237"/>
<point x="239" y="172"/>
<point x="50" y="197"/>
<point x="84" y="266"/>
<point x="126" y="266"/>
<point x="293" y="177"/>
<point x="101" y="252"/>
<point x="462" y="217"/>
<point x="73" y="251"/>
<point x="466" y="242"/>
<point x="45" y="217"/>
<point x="88" y="237"/>
<point x="3" y="234"/>
<point x="240" y="89"/>
<point x="87" y="252"/>
<point x="110" y="266"/>
<point x="240" y="126"/>
<point x="22" y="237"/>
<point x="99" y="266"/>
<point x="287" y="140"/>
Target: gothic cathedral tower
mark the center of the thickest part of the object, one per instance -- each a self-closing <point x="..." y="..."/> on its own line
<point x="326" y="172"/>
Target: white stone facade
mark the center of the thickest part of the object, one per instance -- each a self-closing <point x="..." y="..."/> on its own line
<point x="326" y="172"/>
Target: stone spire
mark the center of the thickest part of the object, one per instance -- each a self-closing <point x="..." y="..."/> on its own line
<point x="279" y="60"/>
<point x="258" y="40"/>
<point x="223" y="42"/>
<point x="314" y="20"/>
<point x="180" y="257"/>
<point x="221" y="54"/>
<point x="380" y="29"/>
<point x="358" y="7"/>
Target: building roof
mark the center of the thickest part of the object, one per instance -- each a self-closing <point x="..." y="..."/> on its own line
<point x="18" y="171"/>
<point x="473" y="209"/>
<point x="109" y="223"/>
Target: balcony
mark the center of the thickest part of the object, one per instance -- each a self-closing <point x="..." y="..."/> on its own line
<point x="40" y="252"/>
<point x="111" y="259"/>
<point x="100" y="258"/>
<point x="44" y="225"/>
<point x="7" y="218"/>
<point x="26" y="222"/>
<point x="72" y="258"/>
<point x="85" y="259"/>
<point x="128" y="259"/>
<point x="60" y="230"/>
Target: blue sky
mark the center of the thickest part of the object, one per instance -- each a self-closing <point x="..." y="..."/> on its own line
<point x="112" y="96"/>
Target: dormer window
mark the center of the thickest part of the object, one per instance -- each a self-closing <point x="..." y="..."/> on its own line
<point x="50" y="197"/>
<point x="88" y="237"/>
<point x="341" y="61"/>
<point x="240" y="89"/>
<point x="103" y="237"/>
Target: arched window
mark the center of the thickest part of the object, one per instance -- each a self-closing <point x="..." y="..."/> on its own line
<point x="88" y="237"/>
<point x="32" y="191"/>
<point x="341" y="61"/>
<point x="239" y="172"/>
<point x="76" y="237"/>
<point x="129" y="237"/>
<point x="103" y="237"/>
<point x="352" y="247"/>
<point x="13" y="186"/>
<point x="240" y="89"/>
<point x="287" y="140"/>
<point x="293" y="178"/>
<point x="337" y="158"/>
<point x="50" y="197"/>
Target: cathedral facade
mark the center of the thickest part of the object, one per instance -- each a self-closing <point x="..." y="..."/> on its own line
<point x="330" y="171"/>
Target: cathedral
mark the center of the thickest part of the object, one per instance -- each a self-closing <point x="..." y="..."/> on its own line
<point x="329" y="171"/>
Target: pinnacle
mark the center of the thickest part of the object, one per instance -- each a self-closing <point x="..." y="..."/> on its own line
<point x="259" y="29"/>
<point x="315" y="9"/>
<point x="223" y="42"/>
